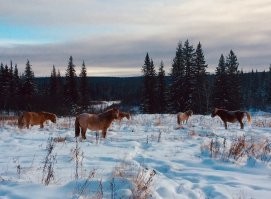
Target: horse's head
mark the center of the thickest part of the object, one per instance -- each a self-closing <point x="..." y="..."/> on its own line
<point x="214" y="112"/>
<point x="128" y="116"/>
<point x="115" y="113"/>
<point x="189" y="112"/>
<point x="53" y="118"/>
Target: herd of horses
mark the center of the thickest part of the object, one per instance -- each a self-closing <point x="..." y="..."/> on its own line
<point x="102" y="121"/>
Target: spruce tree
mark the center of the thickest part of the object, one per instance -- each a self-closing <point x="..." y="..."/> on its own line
<point x="189" y="77"/>
<point x="233" y="82"/>
<point x="220" y="93"/>
<point x="201" y="96"/>
<point x="29" y="87"/>
<point x="71" y="94"/>
<point x="148" y="104"/>
<point x="84" y="88"/>
<point x="176" y="92"/>
<point x="53" y="83"/>
<point x="161" y="89"/>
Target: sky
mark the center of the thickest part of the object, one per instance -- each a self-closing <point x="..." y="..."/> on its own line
<point x="112" y="37"/>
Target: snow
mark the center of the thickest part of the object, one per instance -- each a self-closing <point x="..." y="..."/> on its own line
<point x="151" y="150"/>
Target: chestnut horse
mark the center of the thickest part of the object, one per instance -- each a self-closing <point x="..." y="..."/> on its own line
<point x="122" y="115"/>
<point x="95" y="122"/>
<point x="231" y="116"/>
<point x="35" y="118"/>
<point x="183" y="117"/>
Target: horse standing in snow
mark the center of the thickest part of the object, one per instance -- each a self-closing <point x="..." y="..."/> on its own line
<point x="231" y="116"/>
<point x="95" y="122"/>
<point x="35" y="118"/>
<point x="183" y="117"/>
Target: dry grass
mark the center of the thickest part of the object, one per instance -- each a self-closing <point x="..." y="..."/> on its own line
<point x="8" y="120"/>
<point x="239" y="148"/>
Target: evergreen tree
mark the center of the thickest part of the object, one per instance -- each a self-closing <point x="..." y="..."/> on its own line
<point x="220" y="94"/>
<point x="176" y="92"/>
<point x="148" y="104"/>
<point x="189" y="77"/>
<point x="29" y="88"/>
<point x="201" y="97"/>
<point x="269" y="86"/>
<point x="53" y="84"/>
<point x="84" y="87"/>
<point x="71" y="94"/>
<point x="17" y="87"/>
<point x="233" y="82"/>
<point x="161" y="89"/>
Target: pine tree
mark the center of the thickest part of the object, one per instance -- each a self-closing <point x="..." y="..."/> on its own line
<point x="233" y="82"/>
<point x="71" y="94"/>
<point x="201" y="96"/>
<point x="176" y="92"/>
<point x="161" y="89"/>
<point x="84" y="87"/>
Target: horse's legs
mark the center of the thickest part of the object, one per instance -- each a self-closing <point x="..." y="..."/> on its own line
<point x="83" y="133"/>
<point x="104" y="133"/>
<point x="225" y="124"/>
<point x="41" y="125"/>
<point x="241" y="123"/>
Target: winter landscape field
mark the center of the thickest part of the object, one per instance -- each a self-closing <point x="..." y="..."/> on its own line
<point x="149" y="156"/>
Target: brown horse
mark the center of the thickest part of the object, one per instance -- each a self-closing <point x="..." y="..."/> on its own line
<point x="123" y="114"/>
<point x="183" y="117"/>
<point x="35" y="118"/>
<point x="95" y="122"/>
<point x="231" y="116"/>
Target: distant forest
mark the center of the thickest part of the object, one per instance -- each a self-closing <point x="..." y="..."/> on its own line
<point x="188" y="86"/>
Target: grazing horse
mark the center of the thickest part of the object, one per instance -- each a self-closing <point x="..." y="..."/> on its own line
<point x="95" y="122"/>
<point x="183" y="117"/>
<point x="35" y="118"/>
<point x="231" y="116"/>
<point x="123" y="114"/>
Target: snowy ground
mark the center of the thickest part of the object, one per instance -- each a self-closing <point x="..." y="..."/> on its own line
<point x="147" y="156"/>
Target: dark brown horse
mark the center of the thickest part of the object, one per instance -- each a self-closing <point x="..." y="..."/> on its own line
<point x="183" y="117"/>
<point x="231" y="116"/>
<point x="95" y="122"/>
<point x="35" y="118"/>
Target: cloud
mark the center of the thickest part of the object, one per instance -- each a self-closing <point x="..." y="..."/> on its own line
<point x="118" y="33"/>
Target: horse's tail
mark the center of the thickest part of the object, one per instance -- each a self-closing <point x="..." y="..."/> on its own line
<point x="178" y="119"/>
<point x="248" y="117"/>
<point x="77" y="127"/>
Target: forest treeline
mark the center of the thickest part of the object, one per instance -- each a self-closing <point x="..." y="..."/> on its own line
<point x="187" y="86"/>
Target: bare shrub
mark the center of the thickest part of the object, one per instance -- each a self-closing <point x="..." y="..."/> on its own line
<point x="78" y="157"/>
<point x="48" y="173"/>
<point x="141" y="179"/>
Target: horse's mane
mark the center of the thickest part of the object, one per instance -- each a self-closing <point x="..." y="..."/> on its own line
<point x="108" y="114"/>
<point x="189" y="112"/>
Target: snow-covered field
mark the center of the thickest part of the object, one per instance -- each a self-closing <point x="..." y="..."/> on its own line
<point x="146" y="157"/>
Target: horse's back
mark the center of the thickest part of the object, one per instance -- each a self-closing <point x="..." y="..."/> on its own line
<point x="87" y="120"/>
